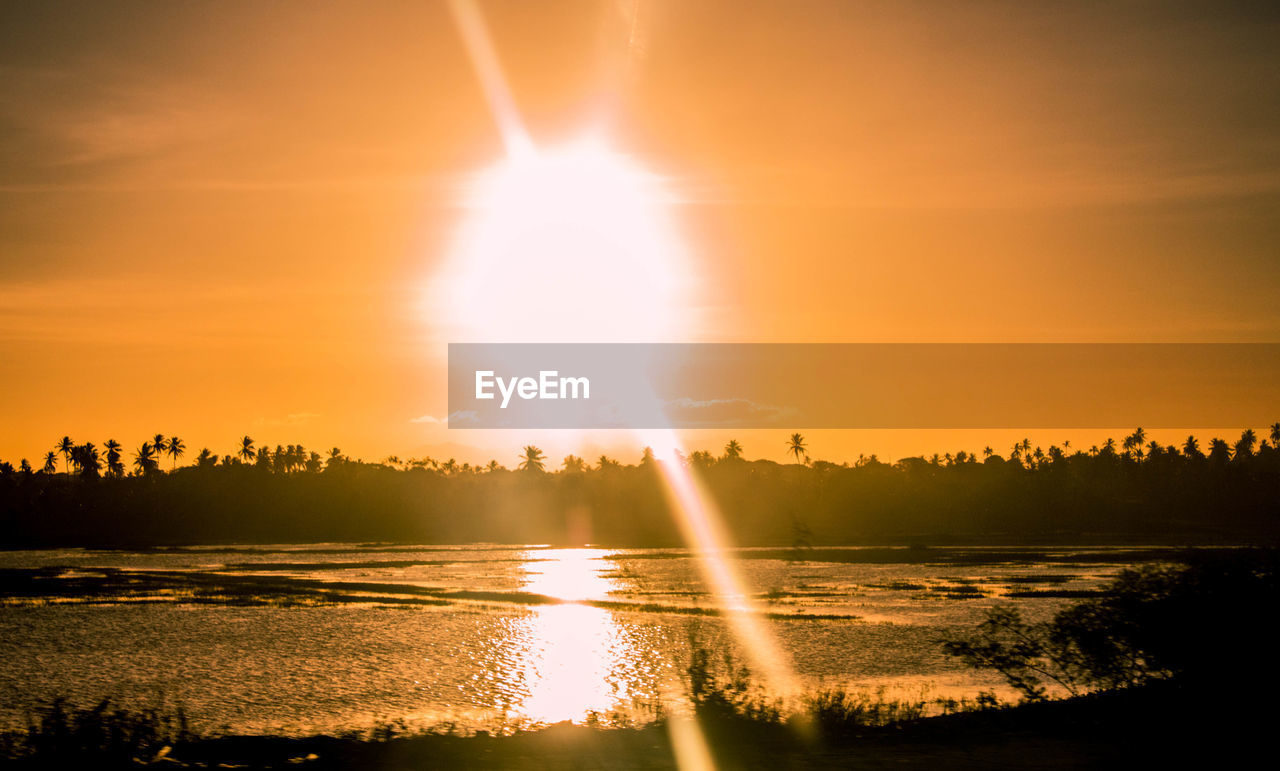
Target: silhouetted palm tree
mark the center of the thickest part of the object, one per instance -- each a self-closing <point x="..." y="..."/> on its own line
<point x="796" y="447"/>
<point x="206" y="458"/>
<point x="65" y="447"/>
<point x="1244" y="447"/>
<point x="1133" y="442"/>
<point x="115" y="468"/>
<point x="573" y="464"/>
<point x="246" y="449"/>
<point x="86" y="459"/>
<point x="532" y="459"/>
<point x="1191" y="447"/>
<point x="50" y="462"/>
<point x="733" y="449"/>
<point x="335" y="458"/>
<point x="160" y="444"/>
<point x="176" y="449"/>
<point x="1219" y="451"/>
<point x="144" y="458"/>
<point x="1275" y="435"/>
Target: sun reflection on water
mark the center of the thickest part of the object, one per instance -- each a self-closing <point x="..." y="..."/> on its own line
<point x="572" y="575"/>
<point x="572" y="659"/>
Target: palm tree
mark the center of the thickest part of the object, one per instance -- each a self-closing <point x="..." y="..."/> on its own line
<point x="206" y="459"/>
<point x="1244" y="447"/>
<point x="50" y="462"/>
<point x="86" y="459"/>
<point x="246" y="449"/>
<point x="493" y="466"/>
<point x="796" y="447"/>
<point x="65" y="447"/>
<point x="114" y="467"/>
<point x="144" y="458"/>
<point x="532" y="460"/>
<point x="160" y="445"/>
<point x="1191" y="447"/>
<point x="733" y="449"/>
<point x="335" y="458"/>
<point x="176" y="449"/>
<point x="1275" y="434"/>
<point x="1135" y="441"/>
<point x="573" y="464"/>
<point x="1219" y="451"/>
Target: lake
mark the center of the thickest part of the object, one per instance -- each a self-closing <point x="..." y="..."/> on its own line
<point x="332" y="637"/>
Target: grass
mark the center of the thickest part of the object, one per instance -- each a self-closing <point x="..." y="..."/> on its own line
<point x="1152" y="726"/>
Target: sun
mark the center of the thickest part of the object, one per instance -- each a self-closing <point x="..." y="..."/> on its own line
<point x="568" y="244"/>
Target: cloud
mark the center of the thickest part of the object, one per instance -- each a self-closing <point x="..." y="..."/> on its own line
<point x="740" y="413"/>
<point x="461" y="416"/>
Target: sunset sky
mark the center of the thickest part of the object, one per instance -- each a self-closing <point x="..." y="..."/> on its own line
<point x="240" y="217"/>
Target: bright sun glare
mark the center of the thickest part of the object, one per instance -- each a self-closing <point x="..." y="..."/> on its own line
<point x="569" y="244"/>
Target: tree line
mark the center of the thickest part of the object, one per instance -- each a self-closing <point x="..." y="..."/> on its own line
<point x="86" y="495"/>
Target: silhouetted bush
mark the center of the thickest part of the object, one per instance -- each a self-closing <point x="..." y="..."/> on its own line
<point x="1205" y="623"/>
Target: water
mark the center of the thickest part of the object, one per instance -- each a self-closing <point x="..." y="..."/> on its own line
<point x="491" y="651"/>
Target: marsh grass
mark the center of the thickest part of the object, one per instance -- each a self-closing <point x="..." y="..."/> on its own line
<point x="102" y="735"/>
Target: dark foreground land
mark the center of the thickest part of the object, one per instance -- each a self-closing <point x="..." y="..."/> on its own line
<point x="1150" y="727"/>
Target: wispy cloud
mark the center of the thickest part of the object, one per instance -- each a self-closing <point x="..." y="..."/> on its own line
<point x="726" y="413"/>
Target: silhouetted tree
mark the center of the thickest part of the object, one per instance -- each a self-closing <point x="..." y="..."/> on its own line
<point x="86" y="460"/>
<point x="246" y="449"/>
<point x="50" y="462"/>
<point x="1219" y="451"/>
<point x="733" y="450"/>
<point x="144" y="459"/>
<point x="176" y="449"/>
<point x="115" y="465"/>
<point x="1244" y="447"/>
<point x="65" y="446"/>
<point x="532" y="459"/>
<point x="796" y="447"/>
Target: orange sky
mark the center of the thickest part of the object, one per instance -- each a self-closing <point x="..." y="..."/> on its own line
<point x="222" y="218"/>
